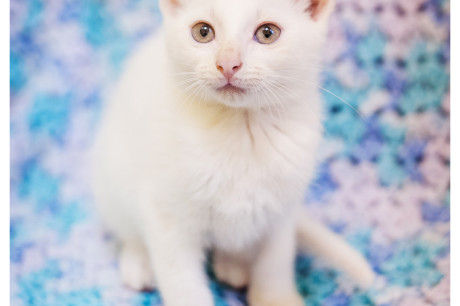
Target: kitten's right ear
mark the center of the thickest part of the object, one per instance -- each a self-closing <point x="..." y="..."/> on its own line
<point x="169" y="7"/>
<point x="318" y="9"/>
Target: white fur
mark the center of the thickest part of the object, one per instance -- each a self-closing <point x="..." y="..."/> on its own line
<point x="180" y="167"/>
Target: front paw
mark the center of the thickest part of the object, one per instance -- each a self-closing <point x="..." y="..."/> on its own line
<point x="259" y="298"/>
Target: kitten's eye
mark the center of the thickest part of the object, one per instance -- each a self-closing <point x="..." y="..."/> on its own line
<point x="267" y="33"/>
<point x="202" y="32"/>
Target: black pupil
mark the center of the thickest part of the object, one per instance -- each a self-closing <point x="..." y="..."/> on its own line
<point x="204" y="31"/>
<point x="267" y="32"/>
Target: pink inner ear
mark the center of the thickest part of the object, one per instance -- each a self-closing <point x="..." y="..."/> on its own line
<point x="316" y="7"/>
<point x="174" y="3"/>
<point x="169" y="6"/>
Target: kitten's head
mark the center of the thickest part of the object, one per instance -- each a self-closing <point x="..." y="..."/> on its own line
<point x="244" y="53"/>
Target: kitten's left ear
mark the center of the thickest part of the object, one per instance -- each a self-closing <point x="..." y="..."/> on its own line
<point x="169" y="7"/>
<point x="320" y="9"/>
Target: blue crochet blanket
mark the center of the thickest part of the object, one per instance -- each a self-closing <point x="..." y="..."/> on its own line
<point x="383" y="181"/>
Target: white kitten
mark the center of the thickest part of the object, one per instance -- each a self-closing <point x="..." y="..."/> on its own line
<point x="209" y="141"/>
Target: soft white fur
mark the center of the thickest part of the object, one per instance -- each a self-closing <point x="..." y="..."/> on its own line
<point x="180" y="167"/>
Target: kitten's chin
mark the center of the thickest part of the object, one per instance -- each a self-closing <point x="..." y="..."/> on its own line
<point x="235" y="100"/>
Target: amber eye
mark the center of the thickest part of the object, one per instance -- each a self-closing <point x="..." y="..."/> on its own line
<point x="203" y="32"/>
<point x="267" y="33"/>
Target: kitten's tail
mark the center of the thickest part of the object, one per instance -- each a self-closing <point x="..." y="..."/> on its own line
<point x="319" y="240"/>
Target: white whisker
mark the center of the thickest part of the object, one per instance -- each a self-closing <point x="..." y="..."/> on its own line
<point x="305" y="82"/>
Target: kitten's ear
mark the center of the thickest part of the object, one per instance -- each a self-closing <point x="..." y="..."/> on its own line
<point x="169" y="7"/>
<point x="320" y="9"/>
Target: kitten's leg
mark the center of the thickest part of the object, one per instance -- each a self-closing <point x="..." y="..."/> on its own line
<point x="177" y="260"/>
<point x="135" y="268"/>
<point x="232" y="269"/>
<point x="272" y="274"/>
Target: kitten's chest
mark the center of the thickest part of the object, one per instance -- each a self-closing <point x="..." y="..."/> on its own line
<point x="255" y="161"/>
<point x="250" y="176"/>
<point x="244" y="203"/>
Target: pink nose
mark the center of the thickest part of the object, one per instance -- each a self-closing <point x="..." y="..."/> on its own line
<point x="229" y="66"/>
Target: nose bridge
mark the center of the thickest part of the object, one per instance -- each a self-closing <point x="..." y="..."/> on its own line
<point x="229" y="55"/>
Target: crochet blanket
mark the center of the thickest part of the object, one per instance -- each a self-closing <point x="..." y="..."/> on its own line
<point x="383" y="180"/>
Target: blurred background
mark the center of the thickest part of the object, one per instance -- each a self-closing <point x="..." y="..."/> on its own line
<point x="383" y="181"/>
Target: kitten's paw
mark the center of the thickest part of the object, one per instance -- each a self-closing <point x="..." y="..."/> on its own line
<point x="259" y="298"/>
<point x="230" y="271"/>
<point x="135" y="268"/>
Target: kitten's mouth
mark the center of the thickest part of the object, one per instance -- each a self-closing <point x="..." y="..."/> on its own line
<point x="231" y="89"/>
